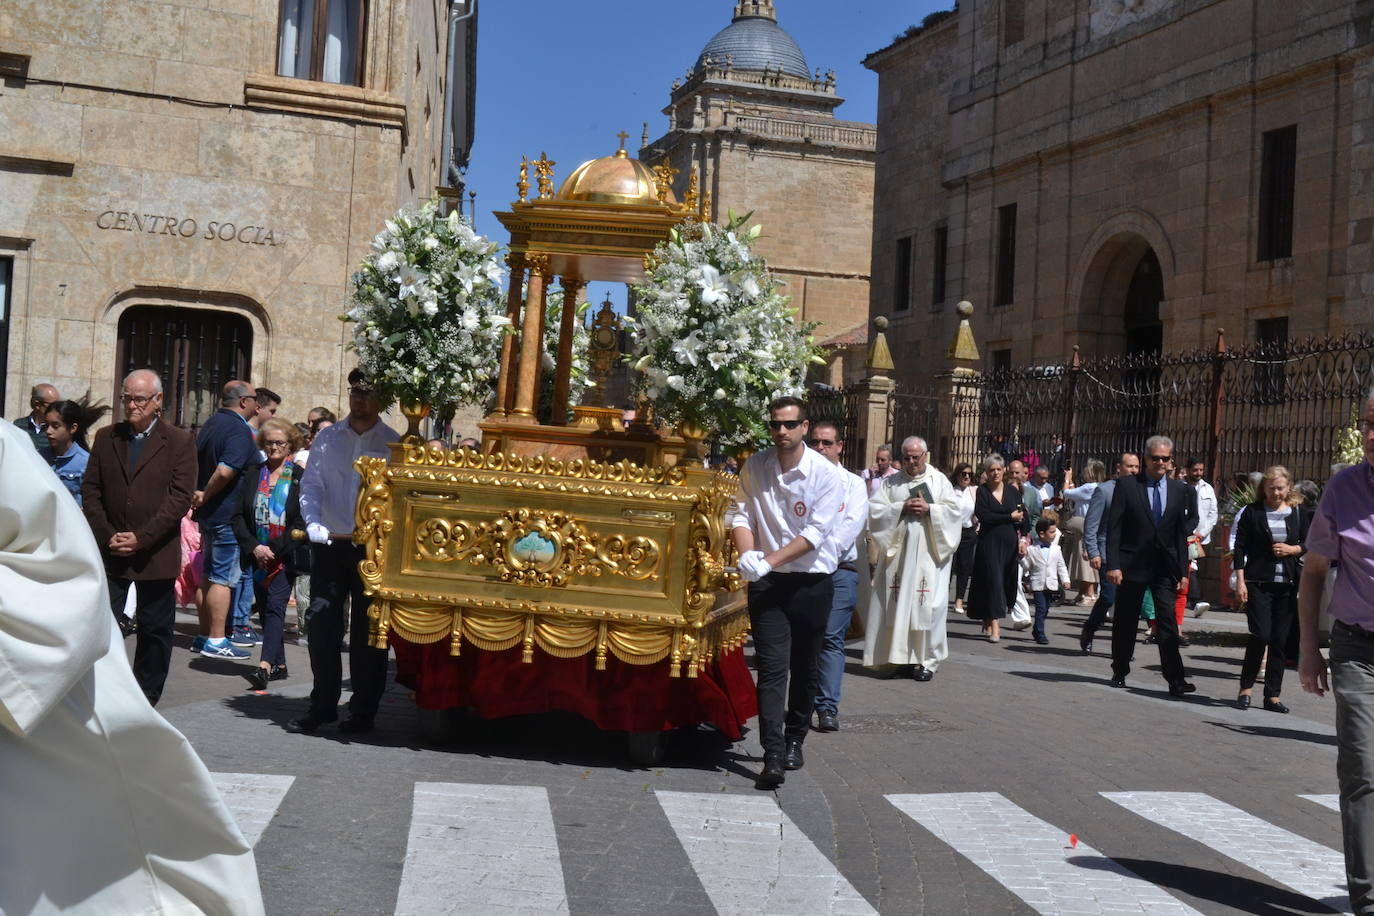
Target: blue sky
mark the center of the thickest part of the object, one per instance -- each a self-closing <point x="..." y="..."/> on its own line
<point x="565" y="77"/>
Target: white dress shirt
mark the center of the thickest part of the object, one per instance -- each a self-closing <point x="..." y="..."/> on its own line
<point x="1206" y="510"/>
<point x="329" y="488"/>
<point x="778" y="507"/>
<point x="852" y="518"/>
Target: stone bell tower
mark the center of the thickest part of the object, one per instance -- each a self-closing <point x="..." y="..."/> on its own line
<point x="752" y="128"/>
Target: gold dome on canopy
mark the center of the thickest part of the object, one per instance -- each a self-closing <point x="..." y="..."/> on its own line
<point x="615" y="179"/>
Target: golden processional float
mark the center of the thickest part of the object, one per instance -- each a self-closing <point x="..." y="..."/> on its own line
<point x="572" y="565"/>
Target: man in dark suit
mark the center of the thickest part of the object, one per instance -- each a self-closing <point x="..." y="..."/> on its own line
<point x="34" y="422"/>
<point x="137" y="487"/>
<point x="1151" y="516"/>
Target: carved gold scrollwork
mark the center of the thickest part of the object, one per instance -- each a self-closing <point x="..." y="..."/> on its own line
<point x="371" y="525"/>
<point x="634" y="558"/>
<point x="443" y="540"/>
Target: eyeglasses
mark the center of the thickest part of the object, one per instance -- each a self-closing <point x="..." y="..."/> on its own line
<point x="819" y="443"/>
<point x="1161" y="457"/>
<point x="776" y="425"/>
<point x="274" y="443"/>
<point x="137" y="400"/>
<point x="965" y="473"/>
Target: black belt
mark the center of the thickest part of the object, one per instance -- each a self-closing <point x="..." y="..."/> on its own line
<point x="1352" y="629"/>
<point x="849" y="566"/>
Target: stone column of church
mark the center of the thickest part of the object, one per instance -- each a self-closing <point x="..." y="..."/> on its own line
<point x="505" y="379"/>
<point x="527" y="386"/>
<point x="562" y="376"/>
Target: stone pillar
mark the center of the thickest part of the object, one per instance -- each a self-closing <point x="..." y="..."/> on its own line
<point x="505" y="378"/>
<point x="531" y="332"/>
<point x="960" y="401"/>
<point x="875" y="394"/>
<point x="562" y="376"/>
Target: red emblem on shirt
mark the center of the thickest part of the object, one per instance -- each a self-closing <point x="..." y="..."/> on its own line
<point x="799" y="508"/>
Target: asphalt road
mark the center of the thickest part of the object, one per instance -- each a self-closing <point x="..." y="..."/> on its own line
<point x="1016" y="781"/>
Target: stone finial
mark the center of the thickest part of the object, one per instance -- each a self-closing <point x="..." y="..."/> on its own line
<point x="962" y="348"/>
<point x="879" y="356"/>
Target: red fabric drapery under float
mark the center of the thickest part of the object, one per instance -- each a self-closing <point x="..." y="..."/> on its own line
<point x="635" y="698"/>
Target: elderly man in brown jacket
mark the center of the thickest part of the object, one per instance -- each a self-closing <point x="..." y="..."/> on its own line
<point x="138" y="485"/>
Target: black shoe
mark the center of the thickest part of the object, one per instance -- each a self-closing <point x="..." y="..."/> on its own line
<point x="1181" y="689"/>
<point x="356" y="725"/>
<point x="278" y="673"/>
<point x="792" y="758"/>
<point x="1150" y="640"/>
<point x="1183" y="642"/>
<point x="772" y="775"/>
<point x="1118" y="682"/>
<point x="1042" y="640"/>
<point x="922" y="674"/>
<point x="897" y="671"/>
<point x="127" y="627"/>
<point x="827" y="722"/>
<point x="258" y="679"/>
<point x="306" y="723"/>
<point x="1275" y="706"/>
<point x="1086" y="645"/>
<point x="1243" y="701"/>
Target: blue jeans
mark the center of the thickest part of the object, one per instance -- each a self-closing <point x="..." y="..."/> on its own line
<point x="241" y="608"/>
<point x="220" y="553"/>
<point x="830" y="664"/>
<point x="1106" y="597"/>
<point x="1042" y="612"/>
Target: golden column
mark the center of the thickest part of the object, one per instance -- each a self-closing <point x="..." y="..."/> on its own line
<point x="505" y="390"/>
<point x="527" y="386"/>
<point x="562" y="376"/>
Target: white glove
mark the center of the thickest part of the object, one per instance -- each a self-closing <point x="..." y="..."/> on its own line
<point x="753" y="566"/>
<point x="317" y="533"/>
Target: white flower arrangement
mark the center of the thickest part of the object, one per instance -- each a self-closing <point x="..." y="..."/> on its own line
<point x="580" y="377"/>
<point x="714" y="339"/>
<point x="428" y="311"/>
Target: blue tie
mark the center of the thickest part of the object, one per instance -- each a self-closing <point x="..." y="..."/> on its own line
<point x="1158" y="507"/>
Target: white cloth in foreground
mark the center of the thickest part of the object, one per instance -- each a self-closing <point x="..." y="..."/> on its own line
<point x="104" y="807"/>
<point x="905" y="619"/>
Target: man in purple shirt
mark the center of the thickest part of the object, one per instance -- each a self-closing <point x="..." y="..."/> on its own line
<point x="1342" y="532"/>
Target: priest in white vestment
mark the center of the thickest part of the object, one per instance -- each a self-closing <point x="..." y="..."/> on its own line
<point x="915" y="520"/>
<point x="104" y="807"/>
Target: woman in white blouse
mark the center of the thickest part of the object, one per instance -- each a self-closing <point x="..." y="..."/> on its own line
<point x="967" y="488"/>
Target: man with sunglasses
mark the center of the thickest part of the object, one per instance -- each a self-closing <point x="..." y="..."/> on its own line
<point x="782" y="525"/>
<point x="917" y="521"/>
<point x="825" y="439"/>
<point x="329" y="492"/>
<point x="1148" y="525"/>
<point x="226" y="454"/>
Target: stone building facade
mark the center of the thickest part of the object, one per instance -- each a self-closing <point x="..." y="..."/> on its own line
<point x="1125" y="176"/>
<point x="188" y="186"/>
<point x="758" y="131"/>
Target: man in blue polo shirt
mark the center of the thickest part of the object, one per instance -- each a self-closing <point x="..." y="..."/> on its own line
<point x="227" y="454"/>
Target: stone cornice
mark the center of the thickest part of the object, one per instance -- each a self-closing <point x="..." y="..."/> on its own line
<point x="329" y="100"/>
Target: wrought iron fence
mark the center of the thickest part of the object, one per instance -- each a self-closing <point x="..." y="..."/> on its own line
<point x="841" y="407"/>
<point x="1239" y="409"/>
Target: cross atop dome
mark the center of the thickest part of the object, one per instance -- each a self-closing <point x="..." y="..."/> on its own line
<point x="755" y="9"/>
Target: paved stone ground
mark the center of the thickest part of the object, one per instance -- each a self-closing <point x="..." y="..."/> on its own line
<point x="1035" y="726"/>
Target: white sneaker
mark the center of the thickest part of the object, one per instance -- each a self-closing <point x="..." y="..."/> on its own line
<point x="1201" y="608"/>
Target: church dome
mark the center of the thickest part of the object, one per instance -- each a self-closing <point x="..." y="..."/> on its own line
<point x="615" y="179"/>
<point x="755" y="41"/>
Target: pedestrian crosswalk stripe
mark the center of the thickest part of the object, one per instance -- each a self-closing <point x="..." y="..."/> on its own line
<point x="481" y="849"/>
<point x="1326" y="801"/>
<point x="1034" y="859"/>
<point x="253" y="799"/>
<point x="752" y="859"/>
<point x="1293" y="861"/>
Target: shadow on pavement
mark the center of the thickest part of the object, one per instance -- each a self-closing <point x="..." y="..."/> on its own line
<point x="1240" y="893"/>
<point x="1061" y="677"/>
<point x="1051" y="649"/>
<point x="1265" y="731"/>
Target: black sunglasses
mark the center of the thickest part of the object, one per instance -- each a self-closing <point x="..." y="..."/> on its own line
<point x="817" y="443"/>
<point x="1161" y="457"/>
<point x="780" y="424"/>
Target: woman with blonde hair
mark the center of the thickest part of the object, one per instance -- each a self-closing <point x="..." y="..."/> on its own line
<point x="1268" y="564"/>
<point x="1076" y="499"/>
<point x="268" y="513"/>
<point x="1001" y="517"/>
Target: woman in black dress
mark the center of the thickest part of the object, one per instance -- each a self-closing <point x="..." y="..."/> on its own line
<point x="1001" y="519"/>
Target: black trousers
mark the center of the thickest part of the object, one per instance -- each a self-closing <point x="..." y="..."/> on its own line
<point x="787" y="616"/>
<point x="1126" y="623"/>
<point x="155" y="612"/>
<point x="334" y="585"/>
<point x="1271" y="611"/>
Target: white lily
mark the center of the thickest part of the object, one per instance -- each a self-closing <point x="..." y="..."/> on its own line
<point x="713" y="287"/>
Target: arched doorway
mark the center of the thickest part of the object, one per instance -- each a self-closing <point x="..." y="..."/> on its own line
<point x="194" y="351"/>
<point x="1140" y="319"/>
